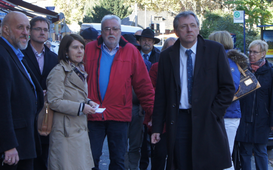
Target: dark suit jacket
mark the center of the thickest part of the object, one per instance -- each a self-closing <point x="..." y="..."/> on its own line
<point x="50" y="61"/>
<point x="19" y="105"/>
<point x="154" y="57"/>
<point x="212" y="93"/>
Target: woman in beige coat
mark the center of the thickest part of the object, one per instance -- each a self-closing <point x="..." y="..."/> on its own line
<point x="69" y="146"/>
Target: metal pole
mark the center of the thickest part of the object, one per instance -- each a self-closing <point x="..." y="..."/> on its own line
<point x="65" y="26"/>
<point x="136" y="21"/>
<point x="145" y="18"/>
<point x="244" y="34"/>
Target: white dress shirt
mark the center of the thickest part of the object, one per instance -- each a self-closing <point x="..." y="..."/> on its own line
<point x="184" y="101"/>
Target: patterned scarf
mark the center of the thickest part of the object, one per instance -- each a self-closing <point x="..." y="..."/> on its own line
<point x="255" y="65"/>
<point x="79" y="70"/>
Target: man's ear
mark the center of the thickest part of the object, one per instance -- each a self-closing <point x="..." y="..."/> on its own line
<point x="6" y="30"/>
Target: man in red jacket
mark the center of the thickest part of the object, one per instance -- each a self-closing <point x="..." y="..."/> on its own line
<point x="114" y="66"/>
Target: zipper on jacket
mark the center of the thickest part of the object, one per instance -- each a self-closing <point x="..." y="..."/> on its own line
<point x="253" y="106"/>
<point x="97" y="73"/>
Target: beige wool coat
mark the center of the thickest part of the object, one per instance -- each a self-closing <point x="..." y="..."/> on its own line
<point x="69" y="146"/>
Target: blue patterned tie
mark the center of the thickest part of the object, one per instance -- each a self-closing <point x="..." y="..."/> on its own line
<point x="145" y="56"/>
<point x="189" y="73"/>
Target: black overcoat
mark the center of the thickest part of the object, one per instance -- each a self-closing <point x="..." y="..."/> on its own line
<point x="154" y="57"/>
<point x="19" y="105"/>
<point x="50" y="61"/>
<point x="212" y="93"/>
<point x="257" y="109"/>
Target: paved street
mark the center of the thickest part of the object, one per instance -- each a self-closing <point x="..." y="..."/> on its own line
<point x="105" y="159"/>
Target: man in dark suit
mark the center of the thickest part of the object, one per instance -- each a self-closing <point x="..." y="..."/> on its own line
<point x="40" y="60"/>
<point x="194" y="89"/>
<point x="21" y="96"/>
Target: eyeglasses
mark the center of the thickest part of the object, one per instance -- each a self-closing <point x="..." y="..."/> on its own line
<point x="114" y="29"/>
<point x="253" y="52"/>
<point x="40" y="29"/>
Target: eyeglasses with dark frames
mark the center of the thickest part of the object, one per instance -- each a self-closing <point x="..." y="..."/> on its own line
<point x="253" y="52"/>
<point x="40" y="29"/>
<point x="114" y="29"/>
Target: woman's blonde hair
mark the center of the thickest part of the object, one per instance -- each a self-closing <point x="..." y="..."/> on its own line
<point x="263" y="45"/>
<point x="223" y="37"/>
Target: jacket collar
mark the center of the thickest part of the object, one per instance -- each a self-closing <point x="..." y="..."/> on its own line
<point x="15" y="58"/>
<point x="264" y="69"/>
<point x="72" y="77"/>
<point x="175" y="57"/>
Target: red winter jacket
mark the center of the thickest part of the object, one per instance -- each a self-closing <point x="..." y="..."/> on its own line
<point x="128" y="69"/>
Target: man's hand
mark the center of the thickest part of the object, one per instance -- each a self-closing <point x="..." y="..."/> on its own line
<point x="11" y="157"/>
<point x="155" y="138"/>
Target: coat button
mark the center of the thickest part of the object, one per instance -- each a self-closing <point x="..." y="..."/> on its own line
<point x="172" y="122"/>
<point x="174" y="105"/>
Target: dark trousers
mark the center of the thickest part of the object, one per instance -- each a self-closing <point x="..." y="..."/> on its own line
<point x="26" y="164"/>
<point x="145" y="150"/>
<point x="183" y="142"/>
<point x="117" y="137"/>
<point x="159" y="153"/>
<point x="260" y="155"/>
<point x="40" y="163"/>
<point x="135" y="139"/>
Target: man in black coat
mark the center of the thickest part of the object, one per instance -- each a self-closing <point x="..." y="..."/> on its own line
<point x="149" y="53"/>
<point x="21" y="96"/>
<point x="194" y="88"/>
<point x="40" y="60"/>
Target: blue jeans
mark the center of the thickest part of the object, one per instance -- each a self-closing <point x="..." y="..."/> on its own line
<point x="260" y="155"/>
<point x="117" y="137"/>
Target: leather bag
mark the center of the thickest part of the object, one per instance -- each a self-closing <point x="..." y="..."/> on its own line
<point x="248" y="83"/>
<point x="45" y="119"/>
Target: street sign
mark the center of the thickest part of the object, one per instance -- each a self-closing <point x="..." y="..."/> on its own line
<point x="238" y="17"/>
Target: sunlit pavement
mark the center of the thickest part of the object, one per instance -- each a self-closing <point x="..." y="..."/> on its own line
<point x="104" y="162"/>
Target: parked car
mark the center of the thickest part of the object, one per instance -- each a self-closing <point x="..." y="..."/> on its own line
<point x="125" y="29"/>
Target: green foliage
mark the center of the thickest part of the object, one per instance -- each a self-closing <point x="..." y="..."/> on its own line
<point x="218" y="21"/>
<point x="116" y="7"/>
<point x="96" y="14"/>
<point x="257" y="12"/>
<point x="72" y="9"/>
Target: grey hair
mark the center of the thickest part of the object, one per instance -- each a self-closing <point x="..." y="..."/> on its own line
<point x="184" y="14"/>
<point x="263" y="45"/>
<point x="109" y="17"/>
<point x="166" y="43"/>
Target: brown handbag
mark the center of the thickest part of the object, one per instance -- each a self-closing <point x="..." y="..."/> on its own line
<point x="248" y="83"/>
<point x="45" y="119"/>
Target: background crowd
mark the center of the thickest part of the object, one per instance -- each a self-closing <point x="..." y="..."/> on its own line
<point x="159" y="104"/>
